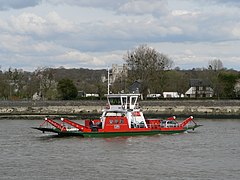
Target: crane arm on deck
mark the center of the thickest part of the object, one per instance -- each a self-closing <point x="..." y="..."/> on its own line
<point x="76" y="125"/>
<point x="186" y="121"/>
<point x="55" y="124"/>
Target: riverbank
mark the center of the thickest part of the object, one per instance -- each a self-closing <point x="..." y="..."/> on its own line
<point x="93" y="109"/>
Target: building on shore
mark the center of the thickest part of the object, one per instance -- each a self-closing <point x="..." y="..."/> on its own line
<point x="199" y="88"/>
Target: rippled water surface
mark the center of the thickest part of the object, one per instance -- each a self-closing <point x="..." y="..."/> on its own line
<point x="210" y="152"/>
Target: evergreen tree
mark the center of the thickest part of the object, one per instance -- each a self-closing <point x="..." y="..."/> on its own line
<point x="228" y="81"/>
<point x="66" y="89"/>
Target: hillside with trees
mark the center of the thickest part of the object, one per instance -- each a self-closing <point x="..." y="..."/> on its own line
<point x="16" y="84"/>
<point x="152" y="69"/>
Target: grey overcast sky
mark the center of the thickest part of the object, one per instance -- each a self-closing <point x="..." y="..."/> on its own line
<point x="97" y="33"/>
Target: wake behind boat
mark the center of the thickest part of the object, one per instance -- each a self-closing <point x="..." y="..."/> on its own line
<point x="121" y="117"/>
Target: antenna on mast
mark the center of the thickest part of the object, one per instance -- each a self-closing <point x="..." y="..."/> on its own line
<point x="108" y="92"/>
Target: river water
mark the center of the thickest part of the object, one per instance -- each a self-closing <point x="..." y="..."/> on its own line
<point x="210" y="152"/>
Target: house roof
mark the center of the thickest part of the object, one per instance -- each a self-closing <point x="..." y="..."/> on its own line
<point x="199" y="82"/>
<point x="135" y="86"/>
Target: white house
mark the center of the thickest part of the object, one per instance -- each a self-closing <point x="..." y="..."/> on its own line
<point x="199" y="88"/>
<point x="237" y="88"/>
<point x="91" y="95"/>
<point x="171" y="95"/>
<point x="154" y="95"/>
<point x="36" y="96"/>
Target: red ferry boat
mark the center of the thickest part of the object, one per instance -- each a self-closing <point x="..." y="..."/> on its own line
<point x="121" y="117"/>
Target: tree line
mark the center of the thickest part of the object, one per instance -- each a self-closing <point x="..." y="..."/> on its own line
<point x="152" y="69"/>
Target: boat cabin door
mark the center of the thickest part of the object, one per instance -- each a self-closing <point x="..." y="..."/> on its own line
<point x="124" y="102"/>
<point x="129" y="102"/>
<point x="133" y="102"/>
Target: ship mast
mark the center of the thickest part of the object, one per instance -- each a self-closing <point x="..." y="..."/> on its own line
<point x="108" y="92"/>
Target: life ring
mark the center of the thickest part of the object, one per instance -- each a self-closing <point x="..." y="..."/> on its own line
<point x="107" y="106"/>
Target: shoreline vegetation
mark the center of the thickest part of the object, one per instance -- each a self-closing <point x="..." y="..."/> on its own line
<point x="92" y="109"/>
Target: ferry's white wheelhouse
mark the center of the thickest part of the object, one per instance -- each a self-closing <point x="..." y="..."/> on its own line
<point x="125" y="105"/>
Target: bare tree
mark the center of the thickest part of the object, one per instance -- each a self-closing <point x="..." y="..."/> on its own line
<point x="215" y="64"/>
<point x="145" y="64"/>
<point x="47" y="84"/>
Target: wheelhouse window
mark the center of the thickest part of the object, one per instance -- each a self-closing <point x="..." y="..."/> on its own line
<point x="124" y="102"/>
<point x="133" y="100"/>
<point x="115" y="101"/>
